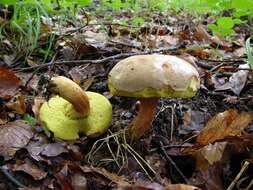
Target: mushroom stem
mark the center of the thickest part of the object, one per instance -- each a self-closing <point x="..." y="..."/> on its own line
<point x="74" y="94"/>
<point x="144" y="118"/>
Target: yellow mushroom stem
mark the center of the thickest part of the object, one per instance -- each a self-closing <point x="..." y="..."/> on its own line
<point x="74" y="94"/>
<point x="144" y="118"/>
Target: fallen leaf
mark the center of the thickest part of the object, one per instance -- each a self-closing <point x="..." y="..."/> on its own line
<point x="143" y="186"/>
<point x="237" y="81"/>
<point x="14" y="136"/>
<point x="202" y="35"/>
<point x="97" y="40"/>
<point x="53" y="149"/>
<point x="210" y="179"/>
<point x="193" y="121"/>
<point x="17" y="104"/>
<point x="209" y="154"/>
<point x="119" y="180"/>
<point x="181" y="187"/>
<point x="31" y="169"/>
<point x="79" y="182"/>
<point x="228" y="123"/>
<point x="37" y="102"/>
<point x="9" y="83"/>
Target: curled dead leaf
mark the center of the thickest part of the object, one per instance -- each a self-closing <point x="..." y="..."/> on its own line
<point x="17" y="104"/>
<point x="225" y="124"/>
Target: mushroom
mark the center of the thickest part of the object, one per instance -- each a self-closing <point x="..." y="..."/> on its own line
<point x="73" y="111"/>
<point x="150" y="77"/>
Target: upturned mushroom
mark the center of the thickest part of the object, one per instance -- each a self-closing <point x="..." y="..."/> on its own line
<point x="150" y="77"/>
<point x="74" y="111"/>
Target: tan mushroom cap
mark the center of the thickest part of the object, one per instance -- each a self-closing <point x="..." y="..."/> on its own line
<point x="154" y="75"/>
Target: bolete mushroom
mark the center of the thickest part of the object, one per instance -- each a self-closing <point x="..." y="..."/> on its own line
<point x="150" y="77"/>
<point x="73" y="111"/>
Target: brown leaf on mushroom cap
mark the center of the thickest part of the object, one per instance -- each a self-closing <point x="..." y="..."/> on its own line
<point x="9" y="83"/>
<point x="228" y="123"/>
<point x="14" y="136"/>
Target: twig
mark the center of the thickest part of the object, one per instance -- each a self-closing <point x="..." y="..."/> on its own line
<point x="217" y="67"/>
<point x="169" y="159"/>
<point x="99" y="61"/>
<point x="172" y="146"/>
<point x="250" y="185"/>
<point x="244" y="167"/>
<point x="36" y="70"/>
<point x="235" y="61"/>
<point x="10" y="177"/>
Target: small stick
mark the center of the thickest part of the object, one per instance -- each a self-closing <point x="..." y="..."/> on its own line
<point x="250" y="185"/>
<point x="233" y="183"/>
<point x="169" y="159"/>
<point x="10" y="177"/>
<point x="99" y="61"/>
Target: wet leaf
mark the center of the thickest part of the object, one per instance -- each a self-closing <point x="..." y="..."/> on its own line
<point x="228" y="123"/>
<point x="14" y="136"/>
<point x="31" y="169"/>
<point x="9" y="83"/>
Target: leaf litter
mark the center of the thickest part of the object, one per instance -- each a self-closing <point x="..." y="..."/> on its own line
<point x="190" y="140"/>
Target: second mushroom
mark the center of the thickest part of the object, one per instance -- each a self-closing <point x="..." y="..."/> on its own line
<point x="74" y="111"/>
<point x="150" y="77"/>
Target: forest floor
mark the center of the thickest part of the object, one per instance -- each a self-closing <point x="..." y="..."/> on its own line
<point x="201" y="142"/>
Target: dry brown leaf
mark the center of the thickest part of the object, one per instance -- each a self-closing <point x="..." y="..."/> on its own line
<point x="225" y="124"/>
<point x="119" y="180"/>
<point x="14" y="136"/>
<point x="9" y="83"/>
<point x="202" y="35"/>
<point x="181" y="187"/>
<point x="37" y="103"/>
<point x="209" y="154"/>
<point x="17" y="104"/>
<point x="79" y="182"/>
<point x="31" y="169"/>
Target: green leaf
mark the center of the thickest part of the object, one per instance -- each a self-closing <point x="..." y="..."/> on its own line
<point x="213" y="27"/>
<point x="30" y="119"/>
<point x="225" y="22"/>
<point x="249" y="53"/>
<point x="244" y="5"/>
<point x="83" y="2"/>
<point x="138" y="21"/>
